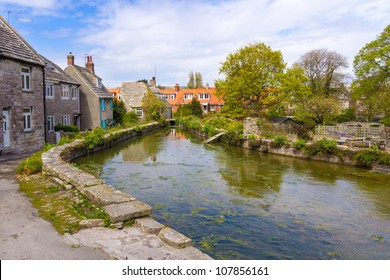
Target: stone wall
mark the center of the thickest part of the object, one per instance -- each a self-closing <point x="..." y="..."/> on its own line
<point x="251" y="127"/>
<point x="119" y="206"/>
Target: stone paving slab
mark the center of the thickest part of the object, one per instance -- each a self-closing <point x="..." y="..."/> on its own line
<point x="148" y="225"/>
<point x="128" y="210"/>
<point x="134" y="244"/>
<point x="105" y="195"/>
<point x="174" y="238"/>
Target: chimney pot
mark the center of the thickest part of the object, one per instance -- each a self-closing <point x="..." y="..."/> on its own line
<point x="177" y="88"/>
<point x="89" y="64"/>
<point x="70" y="58"/>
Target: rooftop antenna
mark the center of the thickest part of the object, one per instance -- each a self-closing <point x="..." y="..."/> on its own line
<point x="8" y="15"/>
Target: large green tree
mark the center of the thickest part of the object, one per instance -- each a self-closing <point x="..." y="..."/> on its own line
<point x="252" y="80"/>
<point x="372" y="71"/>
<point x="153" y="107"/>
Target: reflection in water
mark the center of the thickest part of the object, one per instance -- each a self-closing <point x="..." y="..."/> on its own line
<point x="241" y="204"/>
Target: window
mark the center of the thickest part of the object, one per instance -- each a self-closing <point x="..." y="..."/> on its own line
<point x="172" y="96"/>
<point x="204" y="96"/>
<point x="75" y="93"/>
<point x="66" y="120"/>
<point x="27" y="119"/>
<point x="212" y="108"/>
<point x="26" y="85"/>
<point x="99" y="83"/>
<point x="64" y="92"/>
<point x="188" y="96"/>
<point x="50" y="123"/>
<point x="139" y="113"/>
<point x="166" y="97"/>
<point x="49" y="90"/>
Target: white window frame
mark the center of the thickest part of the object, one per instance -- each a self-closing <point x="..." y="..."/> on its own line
<point x="65" y="120"/>
<point x="27" y="119"/>
<point x="49" y="91"/>
<point x="75" y="93"/>
<point x="204" y="96"/>
<point x="50" y="123"/>
<point x="26" y="78"/>
<point x="172" y="96"/>
<point x="64" y="92"/>
<point x="188" y="96"/>
<point x="139" y="112"/>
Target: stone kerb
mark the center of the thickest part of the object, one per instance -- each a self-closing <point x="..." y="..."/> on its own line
<point x="119" y="206"/>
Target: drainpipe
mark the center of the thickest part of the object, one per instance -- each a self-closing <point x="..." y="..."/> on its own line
<point x="44" y="102"/>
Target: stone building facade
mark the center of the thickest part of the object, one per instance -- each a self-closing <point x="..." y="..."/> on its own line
<point x="22" y="128"/>
<point x="62" y="100"/>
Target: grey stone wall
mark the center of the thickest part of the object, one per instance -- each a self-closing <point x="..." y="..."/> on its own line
<point x="15" y="99"/>
<point x="251" y="127"/>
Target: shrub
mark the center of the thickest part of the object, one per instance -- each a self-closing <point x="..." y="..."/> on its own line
<point x="66" y="128"/>
<point x="94" y="138"/>
<point x="384" y="159"/>
<point x="386" y="121"/>
<point x="31" y="165"/>
<point x="129" y="119"/>
<point x="280" y="140"/>
<point x="324" y="145"/>
<point x="367" y="156"/>
<point x="299" y="144"/>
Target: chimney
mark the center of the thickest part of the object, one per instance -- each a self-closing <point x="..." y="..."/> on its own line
<point x="70" y="58"/>
<point x="177" y="88"/>
<point x="89" y="64"/>
<point x="152" y="82"/>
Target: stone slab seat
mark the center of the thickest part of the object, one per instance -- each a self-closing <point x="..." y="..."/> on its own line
<point x="121" y="212"/>
<point x="105" y="195"/>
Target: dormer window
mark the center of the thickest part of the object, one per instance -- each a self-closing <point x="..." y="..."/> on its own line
<point x="99" y="83"/>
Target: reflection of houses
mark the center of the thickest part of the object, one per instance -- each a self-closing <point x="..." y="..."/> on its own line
<point x="96" y="103"/>
<point x="132" y="94"/>
<point x="62" y="101"/>
<point x="21" y="94"/>
<point x="206" y="96"/>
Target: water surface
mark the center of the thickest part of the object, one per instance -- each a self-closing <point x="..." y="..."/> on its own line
<point x="241" y="204"/>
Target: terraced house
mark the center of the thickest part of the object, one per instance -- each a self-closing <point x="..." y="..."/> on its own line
<point x="21" y="94"/>
<point x="96" y="103"/>
<point x="62" y="100"/>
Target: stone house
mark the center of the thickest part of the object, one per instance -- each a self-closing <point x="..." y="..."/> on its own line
<point x="206" y="96"/>
<point x="132" y="93"/>
<point x="96" y="103"/>
<point x="21" y="94"/>
<point x="62" y="102"/>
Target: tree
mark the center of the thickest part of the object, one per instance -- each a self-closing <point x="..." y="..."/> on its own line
<point x="372" y="71"/>
<point x="198" y="80"/>
<point x="252" y="80"/>
<point x="119" y="111"/>
<point x="191" y="81"/>
<point x="153" y="107"/>
<point x="324" y="70"/>
<point x="193" y="108"/>
<point x="145" y="81"/>
<point x="317" y="109"/>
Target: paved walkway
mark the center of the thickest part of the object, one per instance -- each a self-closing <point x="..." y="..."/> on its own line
<point x="24" y="235"/>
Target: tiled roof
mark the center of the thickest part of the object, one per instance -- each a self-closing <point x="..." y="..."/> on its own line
<point x="132" y="93"/>
<point x="214" y="100"/>
<point x="90" y="79"/>
<point x="13" y="46"/>
<point x="55" y="74"/>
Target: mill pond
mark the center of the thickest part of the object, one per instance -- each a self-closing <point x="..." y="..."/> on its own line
<point x="241" y="204"/>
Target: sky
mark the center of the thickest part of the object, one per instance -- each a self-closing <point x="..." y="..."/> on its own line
<point x="132" y="40"/>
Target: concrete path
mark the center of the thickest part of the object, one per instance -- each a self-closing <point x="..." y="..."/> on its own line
<point x="24" y="235"/>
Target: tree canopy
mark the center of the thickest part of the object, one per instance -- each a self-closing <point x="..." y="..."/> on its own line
<point x="324" y="70"/>
<point x="153" y="107"/>
<point x="252" y="80"/>
<point x="372" y="70"/>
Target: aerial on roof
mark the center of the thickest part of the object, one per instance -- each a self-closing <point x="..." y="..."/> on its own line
<point x="13" y="45"/>
<point x="54" y="73"/>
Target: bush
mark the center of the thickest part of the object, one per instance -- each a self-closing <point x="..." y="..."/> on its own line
<point x="386" y="121"/>
<point x="31" y="165"/>
<point x="280" y="140"/>
<point x="323" y="146"/>
<point x="129" y="119"/>
<point x="66" y="128"/>
<point x="367" y="156"/>
<point x="299" y="144"/>
<point x="384" y="159"/>
<point x="94" y="138"/>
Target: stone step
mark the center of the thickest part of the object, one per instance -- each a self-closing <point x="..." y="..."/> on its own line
<point x="174" y="238"/>
<point x="127" y="210"/>
<point x="148" y="225"/>
<point x="105" y="195"/>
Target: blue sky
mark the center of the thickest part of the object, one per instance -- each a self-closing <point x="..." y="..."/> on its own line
<point x="130" y="40"/>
